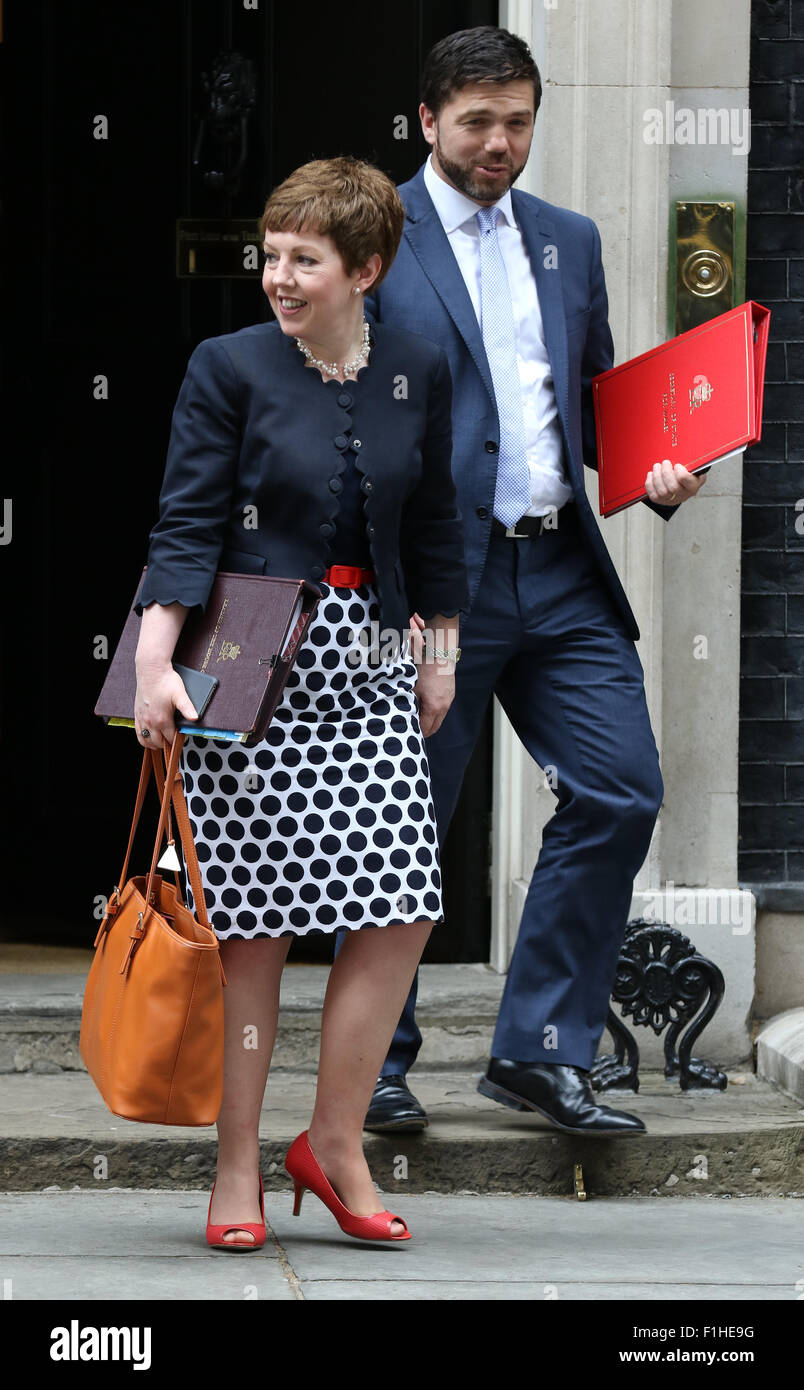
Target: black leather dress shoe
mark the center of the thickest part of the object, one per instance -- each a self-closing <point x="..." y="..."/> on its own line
<point x="560" y="1093"/>
<point x="394" y="1108"/>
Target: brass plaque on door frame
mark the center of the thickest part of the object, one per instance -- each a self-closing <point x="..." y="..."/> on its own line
<point x="704" y="262"/>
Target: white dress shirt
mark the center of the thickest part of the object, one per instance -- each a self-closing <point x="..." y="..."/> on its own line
<point x="549" y="485"/>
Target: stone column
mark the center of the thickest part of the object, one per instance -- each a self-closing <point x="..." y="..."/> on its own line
<point x="604" y="64"/>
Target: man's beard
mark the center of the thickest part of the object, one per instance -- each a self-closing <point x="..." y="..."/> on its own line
<point x="463" y="180"/>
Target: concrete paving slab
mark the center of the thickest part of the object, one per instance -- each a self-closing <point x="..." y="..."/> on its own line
<point x="512" y="1240"/>
<point x="146" y="1278"/>
<point x="125" y="1245"/>
<point x="747" y="1140"/>
<point x="456" y="1292"/>
<point x="112" y="1223"/>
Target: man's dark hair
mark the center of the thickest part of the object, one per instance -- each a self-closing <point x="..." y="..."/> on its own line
<point x="483" y="54"/>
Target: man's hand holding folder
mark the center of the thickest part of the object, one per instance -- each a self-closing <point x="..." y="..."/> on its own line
<point x="670" y="484"/>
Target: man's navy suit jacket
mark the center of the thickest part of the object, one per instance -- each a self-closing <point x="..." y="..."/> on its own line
<point x="424" y="291"/>
<point x="257" y="436"/>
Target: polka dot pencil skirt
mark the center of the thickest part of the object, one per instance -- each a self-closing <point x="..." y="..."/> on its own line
<point x="328" y="822"/>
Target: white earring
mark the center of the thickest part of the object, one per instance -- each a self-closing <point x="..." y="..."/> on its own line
<point x="356" y="290"/>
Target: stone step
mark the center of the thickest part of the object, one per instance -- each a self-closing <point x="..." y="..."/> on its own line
<point x="746" y="1141"/>
<point x="40" y="1019"/>
<point x="40" y="1016"/>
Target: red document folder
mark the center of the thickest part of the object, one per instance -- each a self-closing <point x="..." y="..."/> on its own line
<point x="692" y="400"/>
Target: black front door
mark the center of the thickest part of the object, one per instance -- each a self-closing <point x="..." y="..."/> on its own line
<point x="124" y="123"/>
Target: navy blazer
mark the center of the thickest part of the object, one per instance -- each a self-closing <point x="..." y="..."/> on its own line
<point x="425" y="291"/>
<point x="254" y="466"/>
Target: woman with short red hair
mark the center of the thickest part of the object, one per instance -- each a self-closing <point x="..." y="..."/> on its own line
<point x="315" y="446"/>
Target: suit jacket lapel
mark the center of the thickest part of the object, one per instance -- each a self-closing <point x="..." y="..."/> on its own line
<point x="430" y="246"/>
<point x="539" y="237"/>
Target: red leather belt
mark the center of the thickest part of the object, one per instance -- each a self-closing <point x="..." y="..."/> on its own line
<point x="348" y="576"/>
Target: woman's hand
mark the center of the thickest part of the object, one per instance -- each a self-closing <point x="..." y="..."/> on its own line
<point x="435" y="691"/>
<point x="435" y="687"/>
<point x="160" y="690"/>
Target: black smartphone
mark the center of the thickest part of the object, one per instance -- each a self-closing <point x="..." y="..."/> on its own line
<point x="200" y="688"/>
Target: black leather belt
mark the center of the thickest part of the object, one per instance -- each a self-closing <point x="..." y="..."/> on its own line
<point x="529" y="526"/>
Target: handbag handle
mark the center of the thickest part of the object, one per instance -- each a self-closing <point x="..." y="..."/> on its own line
<point x="185" y="831"/>
<point x="150" y="761"/>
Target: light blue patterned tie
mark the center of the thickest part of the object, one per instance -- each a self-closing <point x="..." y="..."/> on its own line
<point x="512" y="496"/>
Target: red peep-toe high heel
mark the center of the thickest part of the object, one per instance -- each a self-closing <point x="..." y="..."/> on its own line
<point x="305" y="1171"/>
<point x="216" y="1233"/>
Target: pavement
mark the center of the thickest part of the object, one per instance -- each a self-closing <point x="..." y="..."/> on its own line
<point x="150" y="1245"/>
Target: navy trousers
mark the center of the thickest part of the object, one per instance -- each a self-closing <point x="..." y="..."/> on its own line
<point x="545" y="637"/>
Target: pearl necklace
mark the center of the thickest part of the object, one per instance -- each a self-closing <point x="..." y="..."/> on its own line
<point x="332" y="368"/>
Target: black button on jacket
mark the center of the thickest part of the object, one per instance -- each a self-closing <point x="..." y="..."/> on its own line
<point x="255" y="442"/>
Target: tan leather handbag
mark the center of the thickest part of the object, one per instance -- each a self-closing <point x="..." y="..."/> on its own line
<point x="152" y="1017"/>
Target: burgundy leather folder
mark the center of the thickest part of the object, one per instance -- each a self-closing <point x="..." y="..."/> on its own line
<point x="248" y="636"/>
